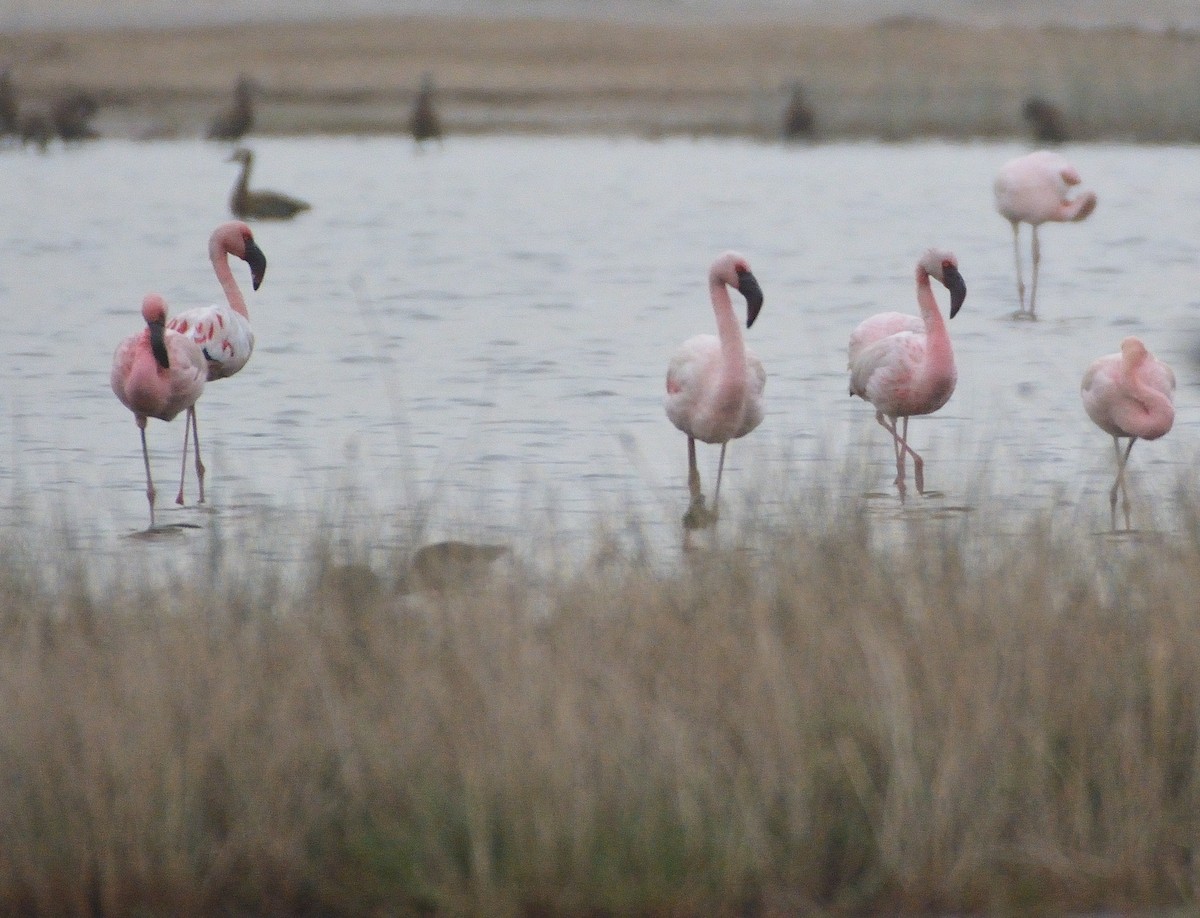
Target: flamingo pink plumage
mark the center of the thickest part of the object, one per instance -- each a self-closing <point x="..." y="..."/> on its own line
<point x="157" y="373"/>
<point x="1129" y="394"/>
<point x="1034" y="189"/>
<point x="904" y="364"/>
<point x="222" y="330"/>
<point x="714" y="383"/>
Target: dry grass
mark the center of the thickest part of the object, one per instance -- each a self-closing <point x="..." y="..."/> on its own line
<point x="800" y="722"/>
<point x="894" y="80"/>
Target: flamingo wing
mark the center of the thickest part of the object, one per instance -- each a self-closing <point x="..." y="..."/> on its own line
<point x="879" y="327"/>
<point x="225" y="338"/>
<point x="884" y="372"/>
<point x="692" y="365"/>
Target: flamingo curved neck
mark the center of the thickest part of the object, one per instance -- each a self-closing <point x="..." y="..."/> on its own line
<point x="731" y="385"/>
<point x="729" y="331"/>
<point x="233" y="294"/>
<point x="1146" y="395"/>
<point x="935" y="324"/>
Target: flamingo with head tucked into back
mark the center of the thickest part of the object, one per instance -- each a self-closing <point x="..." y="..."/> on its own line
<point x="714" y="382"/>
<point x="222" y="331"/>
<point x="1035" y="189"/>
<point x="904" y="364"/>
<point x="156" y="373"/>
<point x="1129" y="394"/>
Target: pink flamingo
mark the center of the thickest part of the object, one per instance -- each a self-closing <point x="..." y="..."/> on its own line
<point x="714" y="383"/>
<point x="222" y="330"/>
<point x="156" y="373"/>
<point x="1033" y="189"/>
<point x="1130" y="394"/>
<point x="904" y="364"/>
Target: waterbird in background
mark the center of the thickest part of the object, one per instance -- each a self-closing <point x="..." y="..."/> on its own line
<point x="72" y="113"/>
<point x="1045" y="119"/>
<point x="1129" y="394"/>
<point x="423" y="122"/>
<point x="221" y="331"/>
<point x="235" y="122"/>
<point x="904" y="364"/>
<point x="714" y="382"/>
<point x="9" y="108"/>
<point x="263" y="205"/>
<point x="156" y="373"/>
<point x="798" y="120"/>
<point x="1034" y="189"/>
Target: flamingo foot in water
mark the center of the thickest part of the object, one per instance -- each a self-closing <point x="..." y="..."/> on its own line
<point x="698" y="516"/>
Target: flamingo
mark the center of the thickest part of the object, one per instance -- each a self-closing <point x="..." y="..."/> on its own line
<point x="1129" y="394"/>
<point x="222" y="331"/>
<point x="1033" y="189"/>
<point x="904" y="364"/>
<point x="714" y="382"/>
<point x="265" y="205"/>
<point x="156" y="373"/>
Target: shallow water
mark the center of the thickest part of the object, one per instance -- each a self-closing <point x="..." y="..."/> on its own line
<point x="485" y="327"/>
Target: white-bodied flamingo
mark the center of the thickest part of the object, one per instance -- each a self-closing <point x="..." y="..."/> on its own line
<point x="714" y="383"/>
<point x="156" y="373"/>
<point x="222" y="330"/>
<point x="1129" y="394"/>
<point x="904" y="364"/>
<point x="1034" y="189"/>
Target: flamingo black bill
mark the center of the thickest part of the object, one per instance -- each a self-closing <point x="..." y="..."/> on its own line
<point x="257" y="261"/>
<point x="956" y="285"/>
<point x="748" y="287"/>
<point x="158" y="344"/>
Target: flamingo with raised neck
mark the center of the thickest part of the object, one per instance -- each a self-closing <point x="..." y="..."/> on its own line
<point x="222" y="331"/>
<point x="714" y="382"/>
<point x="904" y="365"/>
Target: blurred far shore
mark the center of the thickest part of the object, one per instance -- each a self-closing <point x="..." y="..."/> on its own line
<point x="766" y="76"/>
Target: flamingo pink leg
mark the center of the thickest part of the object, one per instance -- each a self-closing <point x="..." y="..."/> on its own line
<point x="693" y="473"/>
<point x="900" y="446"/>
<point x="1016" y="228"/>
<point x="187" y="430"/>
<point x="1033" y="282"/>
<point x="199" y="464"/>
<point x="150" y="492"/>
<point x="720" y="469"/>
<point x="191" y="426"/>
<point x="1120" y="484"/>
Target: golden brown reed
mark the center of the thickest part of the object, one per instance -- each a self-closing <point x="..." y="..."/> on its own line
<point x="895" y="79"/>
<point x="800" y="722"/>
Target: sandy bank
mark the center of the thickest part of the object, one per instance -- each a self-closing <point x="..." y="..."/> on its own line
<point x="892" y="80"/>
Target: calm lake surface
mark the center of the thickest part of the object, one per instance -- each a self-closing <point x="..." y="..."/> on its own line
<point x="484" y="327"/>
